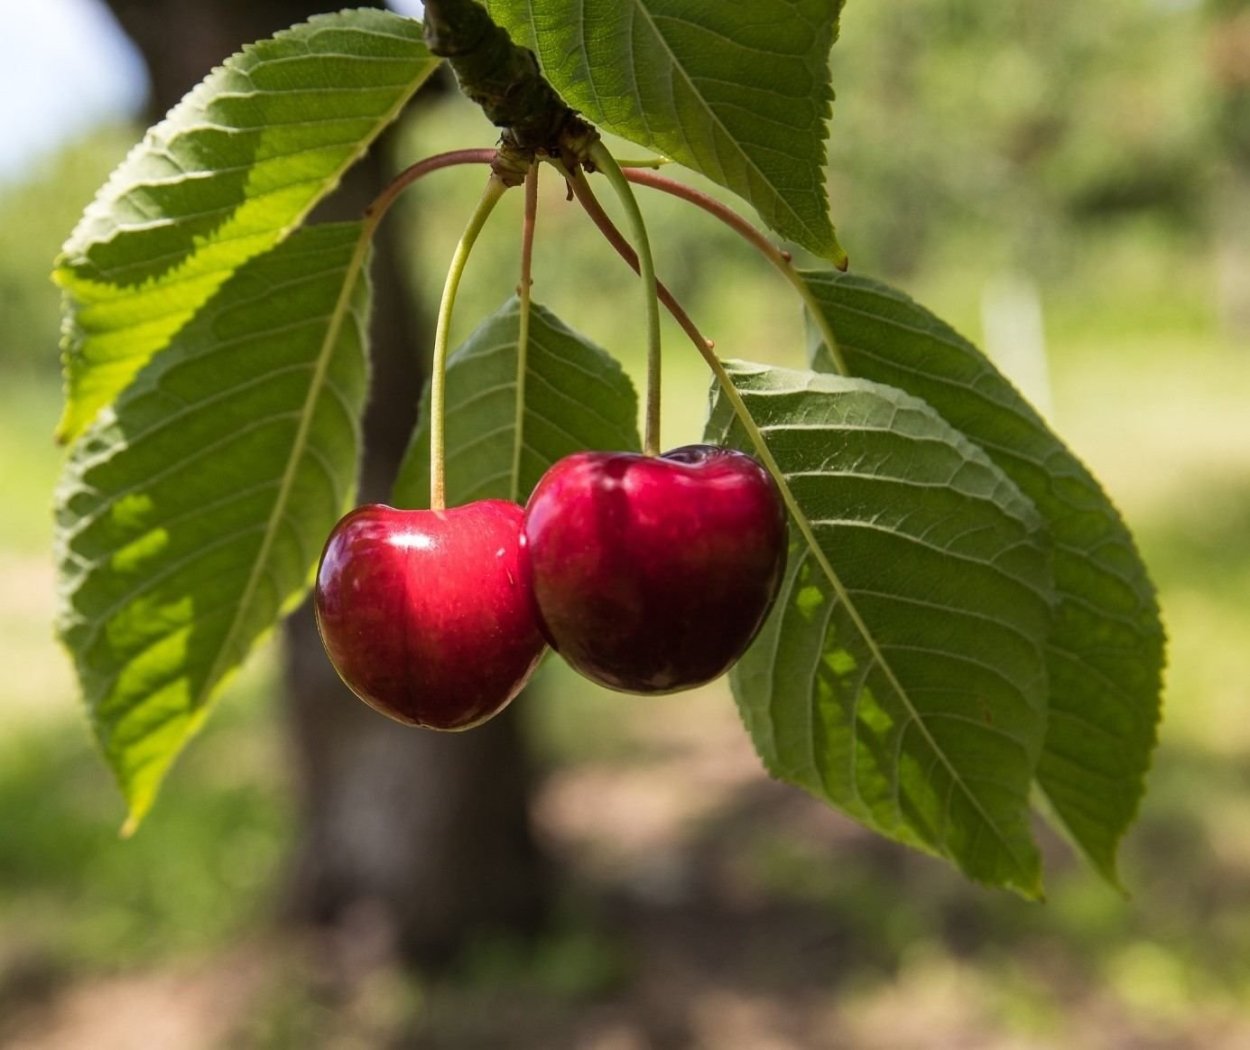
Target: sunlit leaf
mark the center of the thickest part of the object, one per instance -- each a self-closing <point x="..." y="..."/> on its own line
<point x="232" y="169"/>
<point x="192" y="511"/>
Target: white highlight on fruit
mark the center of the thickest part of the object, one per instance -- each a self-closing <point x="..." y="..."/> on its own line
<point x="413" y="540"/>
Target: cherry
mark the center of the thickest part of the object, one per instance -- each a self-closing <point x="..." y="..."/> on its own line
<point x="653" y="573"/>
<point x="425" y="614"/>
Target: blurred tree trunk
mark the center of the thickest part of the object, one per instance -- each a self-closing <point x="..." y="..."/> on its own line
<point x="428" y="833"/>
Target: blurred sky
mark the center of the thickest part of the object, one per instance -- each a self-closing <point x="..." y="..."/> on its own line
<point x="64" y="68"/>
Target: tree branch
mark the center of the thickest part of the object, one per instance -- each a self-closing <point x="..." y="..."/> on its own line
<point x="504" y="79"/>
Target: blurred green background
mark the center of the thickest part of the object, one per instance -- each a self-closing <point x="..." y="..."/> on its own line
<point x="1070" y="178"/>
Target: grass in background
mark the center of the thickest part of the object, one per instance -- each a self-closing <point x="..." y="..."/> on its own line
<point x="75" y="896"/>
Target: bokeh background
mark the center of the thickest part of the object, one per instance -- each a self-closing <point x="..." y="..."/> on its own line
<point x="1067" y="183"/>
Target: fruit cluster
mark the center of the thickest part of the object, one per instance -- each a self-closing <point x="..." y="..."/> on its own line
<point x="648" y="574"/>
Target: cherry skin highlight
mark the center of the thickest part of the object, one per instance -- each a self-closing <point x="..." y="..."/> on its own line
<point x="425" y="614"/>
<point x="653" y="574"/>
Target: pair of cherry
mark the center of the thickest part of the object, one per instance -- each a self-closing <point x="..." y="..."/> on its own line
<point x="648" y="574"/>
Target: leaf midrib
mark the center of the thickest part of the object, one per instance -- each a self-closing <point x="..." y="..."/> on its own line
<point x="273" y="524"/>
<point x="714" y="119"/>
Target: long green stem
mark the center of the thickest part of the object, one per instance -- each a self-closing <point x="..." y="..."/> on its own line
<point x="604" y="162"/>
<point x="523" y="330"/>
<point x="377" y="210"/>
<point x="586" y="197"/>
<point x="495" y="188"/>
<point x="590" y="204"/>
<point x="381" y="204"/>
<point x="780" y="259"/>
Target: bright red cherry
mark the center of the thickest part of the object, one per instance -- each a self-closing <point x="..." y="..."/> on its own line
<point x="425" y="614"/>
<point x="653" y="573"/>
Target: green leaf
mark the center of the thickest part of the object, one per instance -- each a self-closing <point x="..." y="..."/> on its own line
<point x="1105" y="656"/>
<point x="901" y="674"/>
<point x="192" y="511"/>
<point x="573" y="396"/>
<point x="224" y="177"/>
<point x="738" y="92"/>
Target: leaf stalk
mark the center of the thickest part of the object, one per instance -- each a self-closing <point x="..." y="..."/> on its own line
<point x="523" y="328"/>
<point x="590" y="204"/>
<point x="780" y="259"/>
<point x="382" y="203"/>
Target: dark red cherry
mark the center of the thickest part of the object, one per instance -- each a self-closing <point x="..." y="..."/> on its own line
<point x="652" y="574"/>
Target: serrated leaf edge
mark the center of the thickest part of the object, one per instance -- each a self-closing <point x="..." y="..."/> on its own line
<point x="1029" y="882"/>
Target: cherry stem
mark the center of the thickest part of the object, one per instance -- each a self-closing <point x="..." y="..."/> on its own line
<point x="780" y="259"/>
<point x="590" y="204"/>
<point x="495" y="188"/>
<point x="585" y="196"/>
<point x="382" y="203"/>
<point x="523" y="331"/>
<point x="603" y="161"/>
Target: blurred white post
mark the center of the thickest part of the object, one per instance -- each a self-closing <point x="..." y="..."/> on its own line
<point x="1014" y="336"/>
